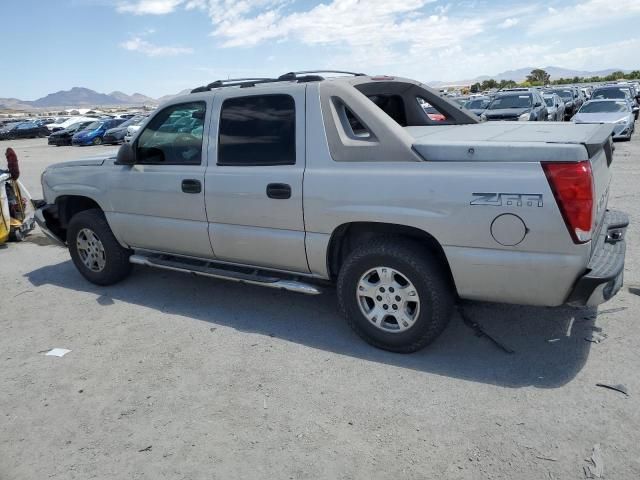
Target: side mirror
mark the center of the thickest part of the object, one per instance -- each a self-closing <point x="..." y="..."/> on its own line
<point x="126" y="155"/>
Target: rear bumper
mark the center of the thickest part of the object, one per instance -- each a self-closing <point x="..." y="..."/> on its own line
<point x="605" y="270"/>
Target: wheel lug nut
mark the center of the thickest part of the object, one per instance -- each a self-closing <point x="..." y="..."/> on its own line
<point x="382" y="289"/>
<point x="397" y="298"/>
<point x="395" y="307"/>
<point x="386" y="307"/>
<point x="391" y="289"/>
<point x="379" y="298"/>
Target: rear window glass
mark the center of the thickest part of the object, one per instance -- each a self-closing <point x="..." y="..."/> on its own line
<point x="432" y="112"/>
<point x="392" y="105"/>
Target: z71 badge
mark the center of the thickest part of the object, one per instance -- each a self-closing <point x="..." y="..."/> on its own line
<point x="507" y="199"/>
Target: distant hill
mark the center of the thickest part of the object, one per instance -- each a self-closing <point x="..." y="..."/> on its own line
<point x="169" y="97"/>
<point x="135" y="99"/>
<point x="520" y="75"/>
<point x="78" y="97"/>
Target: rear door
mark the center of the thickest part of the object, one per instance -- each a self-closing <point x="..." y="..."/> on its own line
<point x="254" y="180"/>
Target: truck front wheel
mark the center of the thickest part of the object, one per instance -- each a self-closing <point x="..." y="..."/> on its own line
<point x="95" y="251"/>
<point x="394" y="295"/>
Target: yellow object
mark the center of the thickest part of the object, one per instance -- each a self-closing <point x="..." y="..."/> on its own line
<point x="5" y="226"/>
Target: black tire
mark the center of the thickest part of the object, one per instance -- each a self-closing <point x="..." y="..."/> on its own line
<point x="16" y="236"/>
<point x="424" y="271"/>
<point x="117" y="266"/>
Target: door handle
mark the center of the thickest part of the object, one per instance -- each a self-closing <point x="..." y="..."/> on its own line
<point x="279" y="191"/>
<point x="189" y="185"/>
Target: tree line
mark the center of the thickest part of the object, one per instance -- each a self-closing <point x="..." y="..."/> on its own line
<point x="539" y="77"/>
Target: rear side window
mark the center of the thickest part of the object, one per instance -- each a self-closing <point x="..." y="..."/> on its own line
<point x="257" y="130"/>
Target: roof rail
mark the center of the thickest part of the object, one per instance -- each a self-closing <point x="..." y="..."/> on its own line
<point x="302" y="76"/>
<point x="294" y="75"/>
<point x="235" y="82"/>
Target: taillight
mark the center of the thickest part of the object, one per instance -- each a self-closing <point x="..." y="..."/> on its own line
<point x="572" y="186"/>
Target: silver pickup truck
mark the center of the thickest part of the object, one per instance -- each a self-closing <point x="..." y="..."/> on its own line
<point x="377" y="185"/>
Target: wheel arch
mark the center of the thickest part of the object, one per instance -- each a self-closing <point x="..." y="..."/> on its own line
<point x="347" y="236"/>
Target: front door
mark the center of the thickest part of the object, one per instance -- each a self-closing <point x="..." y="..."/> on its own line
<point x="254" y="180"/>
<point x="158" y="203"/>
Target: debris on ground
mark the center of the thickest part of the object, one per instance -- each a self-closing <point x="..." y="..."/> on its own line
<point x="146" y="449"/>
<point x="595" y="469"/>
<point x="613" y="310"/>
<point x="57" y="352"/>
<point x="480" y="332"/>
<point x="596" y="337"/>
<point x="551" y="459"/>
<point x="553" y="340"/>
<point x="618" y="388"/>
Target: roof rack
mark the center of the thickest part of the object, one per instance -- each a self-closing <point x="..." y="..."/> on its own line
<point x="302" y="76"/>
<point x="295" y="75"/>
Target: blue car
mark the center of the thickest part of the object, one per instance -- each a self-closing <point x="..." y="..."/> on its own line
<point x="94" y="133"/>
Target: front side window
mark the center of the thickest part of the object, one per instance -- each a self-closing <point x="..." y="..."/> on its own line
<point x="173" y="136"/>
<point x="257" y="130"/>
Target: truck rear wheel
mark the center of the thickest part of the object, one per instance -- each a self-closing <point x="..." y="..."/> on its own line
<point x="94" y="249"/>
<point x="394" y="295"/>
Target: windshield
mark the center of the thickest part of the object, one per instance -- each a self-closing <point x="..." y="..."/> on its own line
<point x="609" y="93"/>
<point x="564" y="94"/>
<point x="477" y="104"/>
<point x="511" y="101"/>
<point x="604" y="107"/>
<point x="94" y="125"/>
<point x="132" y="121"/>
<point x="549" y="101"/>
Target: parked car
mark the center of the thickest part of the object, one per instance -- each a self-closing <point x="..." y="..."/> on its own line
<point x="23" y="130"/>
<point x="517" y="105"/>
<point x="63" y="137"/>
<point x="615" y="112"/>
<point x="131" y="131"/>
<point x="477" y="105"/>
<point x="633" y="95"/>
<point x="555" y="107"/>
<point x="94" y="132"/>
<point x="569" y="99"/>
<point x="116" y="135"/>
<point x="402" y="217"/>
<point x="55" y="127"/>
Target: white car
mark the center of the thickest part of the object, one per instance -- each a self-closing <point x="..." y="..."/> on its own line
<point x="131" y="131"/>
<point x="54" y="127"/>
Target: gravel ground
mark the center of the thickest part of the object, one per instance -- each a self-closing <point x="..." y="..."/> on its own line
<point x="176" y="377"/>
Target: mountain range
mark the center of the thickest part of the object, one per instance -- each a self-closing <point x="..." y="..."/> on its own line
<point x="520" y="75"/>
<point x="78" y="97"/>
<point x="84" y="97"/>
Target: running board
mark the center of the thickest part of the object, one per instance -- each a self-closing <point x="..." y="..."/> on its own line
<point x="206" y="270"/>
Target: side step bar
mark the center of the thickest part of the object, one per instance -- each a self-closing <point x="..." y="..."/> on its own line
<point x="205" y="269"/>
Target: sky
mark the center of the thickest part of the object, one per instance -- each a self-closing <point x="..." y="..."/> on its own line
<point x="159" y="47"/>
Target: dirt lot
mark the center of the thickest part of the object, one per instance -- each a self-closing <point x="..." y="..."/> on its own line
<point x="176" y="377"/>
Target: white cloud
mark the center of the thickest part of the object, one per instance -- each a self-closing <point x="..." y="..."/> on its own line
<point x="137" y="44"/>
<point x="584" y="15"/>
<point x="509" y="22"/>
<point x="418" y="38"/>
<point x="148" y="7"/>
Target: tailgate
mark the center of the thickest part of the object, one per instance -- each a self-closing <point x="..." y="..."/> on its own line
<point x="600" y="155"/>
